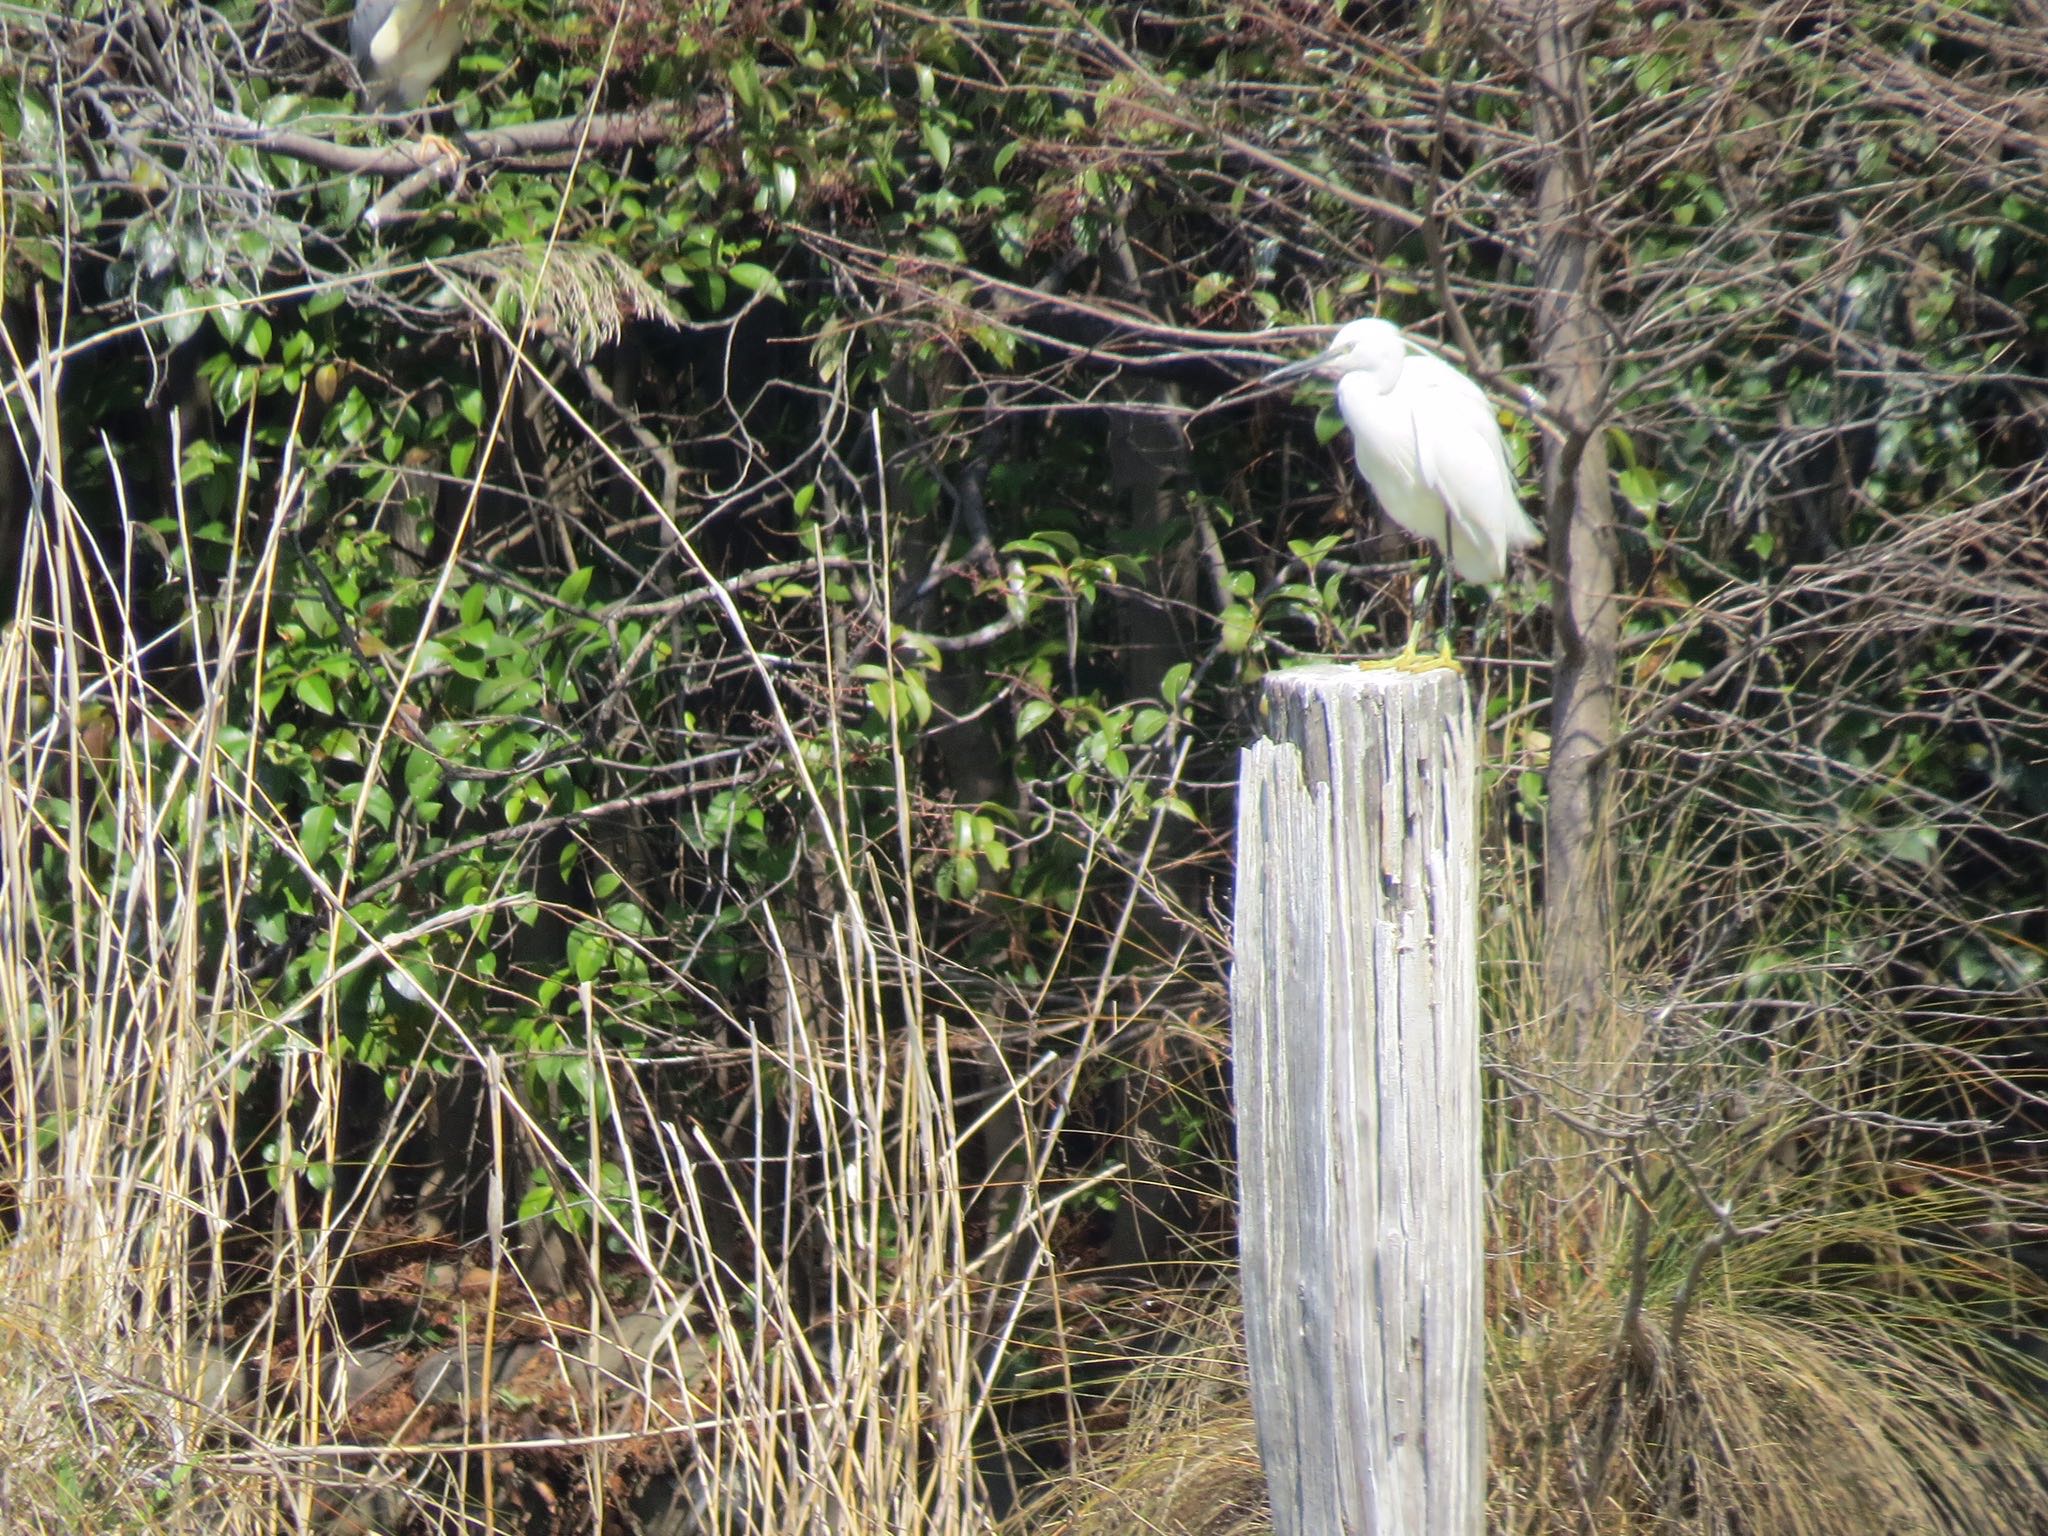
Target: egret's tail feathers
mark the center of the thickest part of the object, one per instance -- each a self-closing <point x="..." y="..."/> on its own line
<point x="1522" y="533"/>
<point x="1480" y="545"/>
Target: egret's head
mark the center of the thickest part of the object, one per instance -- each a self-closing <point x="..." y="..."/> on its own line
<point x="1372" y="347"/>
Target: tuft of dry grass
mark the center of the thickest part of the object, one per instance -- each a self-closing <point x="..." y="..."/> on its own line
<point x="1173" y="1448"/>
<point x="106" y="1431"/>
<point x="1848" y="1418"/>
<point x="1762" y="1422"/>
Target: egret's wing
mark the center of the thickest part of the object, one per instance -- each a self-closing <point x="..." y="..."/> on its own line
<point x="1383" y="440"/>
<point x="387" y="43"/>
<point x="1464" y="460"/>
<point x="406" y="50"/>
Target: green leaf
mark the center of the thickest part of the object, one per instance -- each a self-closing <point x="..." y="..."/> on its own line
<point x="945" y="242"/>
<point x="920" y="699"/>
<point x="537" y="1199"/>
<point x="316" y="832"/>
<point x="1033" y="714"/>
<point x="182" y="315"/>
<point x="1913" y="845"/>
<point x="755" y="278"/>
<point x="745" y="80"/>
<point x="574" y="585"/>
<point x="314" y="692"/>
<point x="1639" y="485"/>
<point x="576" y="1073"/>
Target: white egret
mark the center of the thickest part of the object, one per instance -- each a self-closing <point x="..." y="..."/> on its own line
<point x="1429" y="444"/>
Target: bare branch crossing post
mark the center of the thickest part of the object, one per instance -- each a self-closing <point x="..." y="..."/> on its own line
<point x="1355" y="995"/>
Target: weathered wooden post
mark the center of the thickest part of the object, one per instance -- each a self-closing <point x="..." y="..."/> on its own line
<point x="1356" y="1007"/>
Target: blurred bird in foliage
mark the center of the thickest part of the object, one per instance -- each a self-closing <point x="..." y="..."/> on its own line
<point x="402" y="47"/>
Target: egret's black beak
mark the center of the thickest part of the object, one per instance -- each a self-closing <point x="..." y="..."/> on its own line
<point x="1296" y="369"/>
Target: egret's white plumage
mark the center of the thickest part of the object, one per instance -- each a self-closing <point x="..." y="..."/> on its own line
<point x="1429" y="444"/>
<point x="403" y="46"/>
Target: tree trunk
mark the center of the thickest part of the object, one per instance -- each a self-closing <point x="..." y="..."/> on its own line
<point x="1575" y="351"/>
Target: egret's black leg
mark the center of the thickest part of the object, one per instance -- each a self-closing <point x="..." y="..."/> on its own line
<point x="1410" y="657"/>
<point x="1418" y="609"/>
<point x="1450" y="611"/>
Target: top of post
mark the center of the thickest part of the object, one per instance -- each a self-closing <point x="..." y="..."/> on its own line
<point x="1339" y="679"/>
<point x="1319" y="707"/>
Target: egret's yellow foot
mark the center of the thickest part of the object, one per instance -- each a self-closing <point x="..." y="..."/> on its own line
<point x="1401" y="661"/>
<point x="1431" y="661"/>
<point x="1410" y="658"/>
<point x="438" y="147"/>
